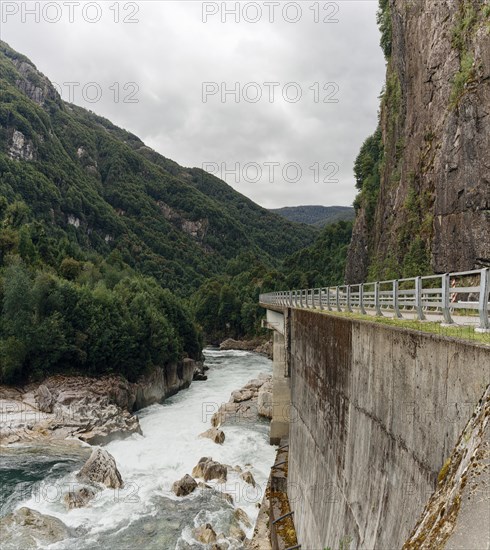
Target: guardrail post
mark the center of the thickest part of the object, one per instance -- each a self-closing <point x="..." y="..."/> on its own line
<point x="321" y="301"/>
<point x="337" y="298"/>
<point x="418" y="299"/>
<point x="446" y="313"/>
<point x="484" y="297"/>
<point x="396" y="306"/>
<point x="377" y="304"/>
<point x="329" y="306"/>
<point x="349" y="308"/>
<point x="361" y="299"/>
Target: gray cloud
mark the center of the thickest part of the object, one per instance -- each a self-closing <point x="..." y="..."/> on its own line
<point x="170" y="52"/>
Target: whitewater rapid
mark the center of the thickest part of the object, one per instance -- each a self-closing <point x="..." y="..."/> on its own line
<point x="146" y="514"/>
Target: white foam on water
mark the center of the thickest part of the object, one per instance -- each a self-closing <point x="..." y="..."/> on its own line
<point x="170" y="448"/>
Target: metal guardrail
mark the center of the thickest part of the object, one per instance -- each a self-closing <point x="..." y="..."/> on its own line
<point x="467" y="292"/>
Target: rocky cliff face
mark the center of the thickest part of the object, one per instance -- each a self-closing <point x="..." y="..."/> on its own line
<point x="456" y="514"/>
<point x="432" y="205"/>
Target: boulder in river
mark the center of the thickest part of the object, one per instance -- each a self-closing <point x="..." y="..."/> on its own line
<point x="101" y="468"/>
<point x="241" y="516"/>
<point x="79" y="498"/>
<point x="26" y="529"/>
<point x="216" y="435"/>
<point x="248" y="478"/>
<point x="205" y="534"/>
<point x="184" y="486"/>
<point x="207" y="468"/>
<point x="244" y="394"/>
<point x="237" y="533"/>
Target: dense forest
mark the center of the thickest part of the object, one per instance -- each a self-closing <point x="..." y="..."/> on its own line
<point x="318" y="216"/>
<point x="114" y="259"/>
<point x="228" y="305"/>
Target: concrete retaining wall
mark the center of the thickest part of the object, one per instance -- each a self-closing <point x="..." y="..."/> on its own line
<point x="375" y="412"/>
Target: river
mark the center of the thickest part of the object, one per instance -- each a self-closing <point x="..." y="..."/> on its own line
<point x="146" y="514"/>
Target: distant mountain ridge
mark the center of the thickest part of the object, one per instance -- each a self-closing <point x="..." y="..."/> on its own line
<point x="318" y="216"/>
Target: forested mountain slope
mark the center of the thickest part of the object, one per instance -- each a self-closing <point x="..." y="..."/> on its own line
<point x="99" y="188"/>
<point x="98" y="234"/>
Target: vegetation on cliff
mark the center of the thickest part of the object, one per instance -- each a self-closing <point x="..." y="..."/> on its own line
<point x="90" y="316"/>
<point x="422" y="205"/>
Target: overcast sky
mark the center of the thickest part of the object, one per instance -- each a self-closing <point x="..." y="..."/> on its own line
<point x="281" y="99"/>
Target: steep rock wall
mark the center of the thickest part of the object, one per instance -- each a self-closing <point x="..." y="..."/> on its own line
<point x="433" y="206"/>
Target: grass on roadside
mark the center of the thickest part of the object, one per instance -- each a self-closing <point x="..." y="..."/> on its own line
<point x="459" y="332"/>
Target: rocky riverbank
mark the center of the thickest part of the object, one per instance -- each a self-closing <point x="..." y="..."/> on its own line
<point x="247" y="404"/>
<point x="264" y="347"/>
<point x="92" y="410"/>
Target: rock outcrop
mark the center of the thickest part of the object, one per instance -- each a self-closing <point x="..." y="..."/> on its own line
<point x="208" y="469"/>
<point x="21" y="148"/>
<point x="248" y="478"/>
<point x="243" y="405"/>
<point x="26" y="529"/>
<point x="184" y="486"/>
<point x="79" y="497"/>
<point x="242" y="517"/>
<point x="44" y="399"/>
<point x="205" y="534"/>
<point x="265" y="399"/>
<point x="432" y="211"/>
<point x="95" y="410"/>
<point x="101" y="468"/>
<point x="237" y="533"/>
<point x="216" y="435"/>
